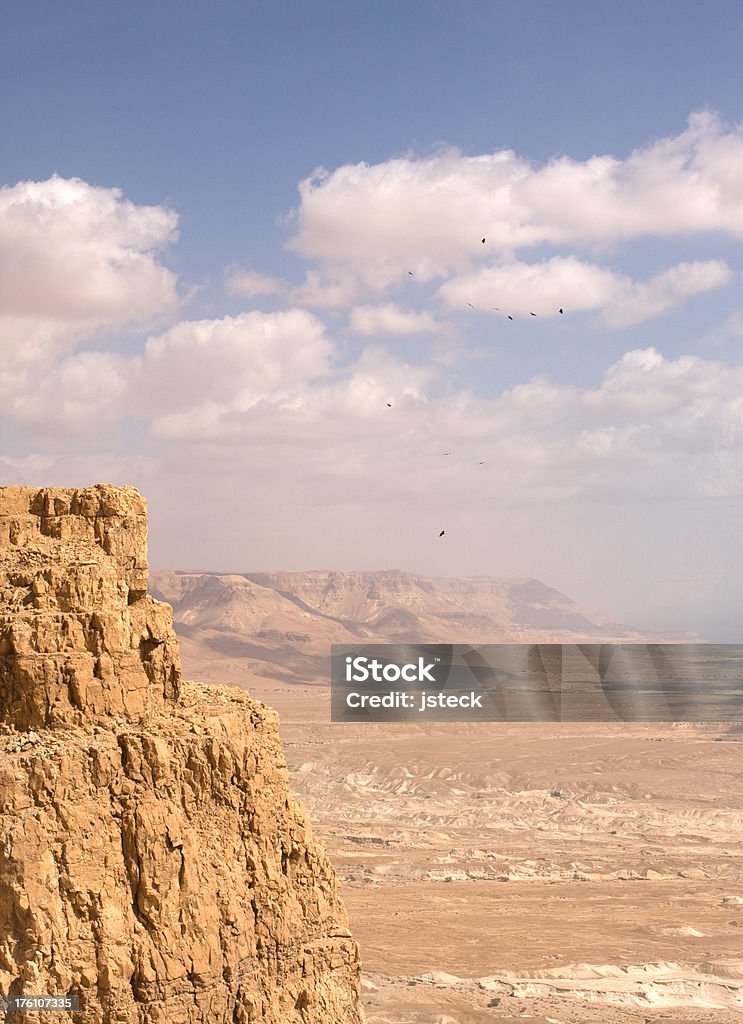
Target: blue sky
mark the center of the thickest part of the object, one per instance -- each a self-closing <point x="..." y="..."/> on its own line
<point x="225" y="330"/>
<point x="175" y="102"/>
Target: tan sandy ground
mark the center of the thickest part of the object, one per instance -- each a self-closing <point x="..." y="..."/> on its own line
<point x="571" y="873"/>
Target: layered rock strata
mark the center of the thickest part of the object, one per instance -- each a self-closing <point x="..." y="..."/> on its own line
<point x="152" y="862"/>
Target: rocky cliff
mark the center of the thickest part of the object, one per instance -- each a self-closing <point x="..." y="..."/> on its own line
<point x="151" y="859"/>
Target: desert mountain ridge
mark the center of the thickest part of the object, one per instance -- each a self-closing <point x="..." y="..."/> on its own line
<point x="393" y="603"/>
<point x="282" y="623"/>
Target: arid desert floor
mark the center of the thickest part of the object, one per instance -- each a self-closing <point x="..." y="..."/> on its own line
<point x="503" y="872"/>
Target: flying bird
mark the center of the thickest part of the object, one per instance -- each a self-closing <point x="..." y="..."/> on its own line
<point x="470" y="305"/>
<point x="410" y="272"/>
<point x="532" y="314"/>
<point x="561" y="310"/>
<point x="446" y="453"/>
<point x="442" y="533"/>
<point x="483" y="241"/>
<point x="510" y="317"/>
<point x="389" y="405"/>
<point x="481" y="463"/>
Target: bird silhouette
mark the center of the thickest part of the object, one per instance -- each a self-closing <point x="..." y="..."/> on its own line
<point x="510" y="317"/>
<point x="561" y="310"/>
<point x="389" y="405"/>
<point x="442" y="533"/>
<point x="483" y="241"/>
<point x="532" y="314"/>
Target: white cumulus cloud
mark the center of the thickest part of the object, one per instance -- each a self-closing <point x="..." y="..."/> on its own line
<point x="636" y="301"/>
<point x="75" y="258"/>
<point x="71" y="251"/>
<point x="567" y="282"/>
<point x="425" y="216"/>
<point x="204" y="371"/>
<point x="524" y="288"/>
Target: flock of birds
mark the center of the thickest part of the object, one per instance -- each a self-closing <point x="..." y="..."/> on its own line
<point x="561" y="311"/>
<point x="496" y="308"/>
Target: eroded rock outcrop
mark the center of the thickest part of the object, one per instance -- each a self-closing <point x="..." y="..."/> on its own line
<point x="151" y="860"/>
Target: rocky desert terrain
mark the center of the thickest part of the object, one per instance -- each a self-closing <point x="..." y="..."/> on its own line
<point x="568" y="873"/>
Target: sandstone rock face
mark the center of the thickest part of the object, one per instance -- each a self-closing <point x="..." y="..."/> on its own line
<point x="79" y="637"/>
<point x="151" y="859"/>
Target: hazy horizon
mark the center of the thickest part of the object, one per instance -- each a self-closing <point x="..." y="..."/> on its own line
<point x="242" y="268"/>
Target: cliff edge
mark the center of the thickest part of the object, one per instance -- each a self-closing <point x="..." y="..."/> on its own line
<point x="152" y="862"/>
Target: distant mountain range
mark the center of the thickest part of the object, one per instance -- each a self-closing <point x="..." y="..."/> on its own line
<point x="282" y="623"/>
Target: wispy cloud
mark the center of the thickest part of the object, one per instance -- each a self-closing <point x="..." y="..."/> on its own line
<point x="251" y="283"/>
<point x="545" y="287"/>
<point x="390" y="319"/>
